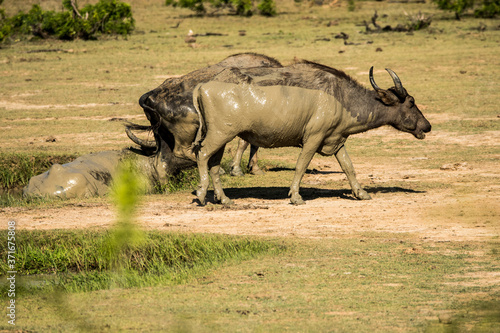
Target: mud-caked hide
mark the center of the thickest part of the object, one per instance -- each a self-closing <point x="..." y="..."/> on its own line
<point x="306" y="105"/>
<point x="88" y="176"/>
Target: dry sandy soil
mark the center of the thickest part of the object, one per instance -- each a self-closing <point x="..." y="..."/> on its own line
<point x="437" y="214"/>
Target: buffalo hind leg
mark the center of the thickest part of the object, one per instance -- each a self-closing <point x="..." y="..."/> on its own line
<point x="305" y="157"/>
<point x="253" y="166"/>
<point x="236" y="164"/>
<point x="347" y="167"/>
<point x="214" y="165"/>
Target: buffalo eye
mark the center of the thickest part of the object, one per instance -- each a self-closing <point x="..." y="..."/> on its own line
<point x="409" y="123"/>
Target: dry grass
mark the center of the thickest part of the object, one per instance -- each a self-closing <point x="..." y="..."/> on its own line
<point x="449" y="68"/>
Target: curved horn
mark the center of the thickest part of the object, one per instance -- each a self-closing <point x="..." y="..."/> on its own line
<point x="144" y="97"/>
<point x="397" y="83"/>
<point x="143" y="143"/>
<point x="149" y="110"/>
<point x="372" y="80"/>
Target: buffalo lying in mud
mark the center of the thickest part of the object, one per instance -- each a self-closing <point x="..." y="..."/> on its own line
<point x="305" y="105"/>
<point x="89" y="175"/>
<point x="174" y="119"/>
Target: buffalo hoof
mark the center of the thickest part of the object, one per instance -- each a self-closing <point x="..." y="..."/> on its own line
<point x="362" y="195"/>
<point x="257" y="172"/>
<point x="201" y="197"/>
<point x="236" y="172"/>
<point x="297" y="200"/>
<point x="226" y="201"/>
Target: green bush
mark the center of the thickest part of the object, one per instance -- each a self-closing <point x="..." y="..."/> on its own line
<point x="105" y="17"/>
<point x="267" y="8"/>
<point x="456" y="6"/>
<point x="238" y="7"/>
<point x="4" y="26"/>
<point x="109" y="17"/>
<point x="243" y="7"/>
<point x="195" y="5"/>
<point x="486" y="8"/>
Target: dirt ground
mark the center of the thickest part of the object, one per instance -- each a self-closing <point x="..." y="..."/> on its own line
<point x="444" y="213"/>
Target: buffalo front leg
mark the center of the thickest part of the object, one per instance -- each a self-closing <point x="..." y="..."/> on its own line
<point x="253" y="166"/>
<point x="236" y="164"/>
<point x="305" y="157"/>
<point x="347" y="167"/>
<point x="214" y="165"/>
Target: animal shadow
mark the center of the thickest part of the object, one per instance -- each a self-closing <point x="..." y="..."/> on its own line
<point x="391" y="189"/>
<point x="307" y="193"/>
<point x="308" y="171"/>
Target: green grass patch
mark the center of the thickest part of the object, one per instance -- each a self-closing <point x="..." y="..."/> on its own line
<point x="184" y="180"/>
<point x="17" y="169"/>
<point x="362" y="283"/>
<point x="80" y="260"/>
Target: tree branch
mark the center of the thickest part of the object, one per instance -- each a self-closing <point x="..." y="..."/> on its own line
<point x="75" y="9"/>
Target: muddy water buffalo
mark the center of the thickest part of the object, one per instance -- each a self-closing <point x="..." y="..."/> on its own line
<point x="89" y="175"/>
<point x="174" y="119"/>
<point x="306" y="105"/>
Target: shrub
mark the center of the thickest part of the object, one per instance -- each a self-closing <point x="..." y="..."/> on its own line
<point x="105" y="17"/>
<point x="243" y="7"/>
<point x="267" y="8"/>
<point x="487" y="8"/>
<point x="195" y="5"/>
<point x="4" y="26"/>
<point x="418" y="21"/>
<point x="238" y="7"/>
<point x="457" y="6"/>
<point x="110" y="17"/>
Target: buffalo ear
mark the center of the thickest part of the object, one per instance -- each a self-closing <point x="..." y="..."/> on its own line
<point x="387" y="97"/>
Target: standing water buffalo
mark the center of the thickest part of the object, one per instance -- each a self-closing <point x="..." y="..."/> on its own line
<point x="306" y="105"/>
<point x="174" y="119"/>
